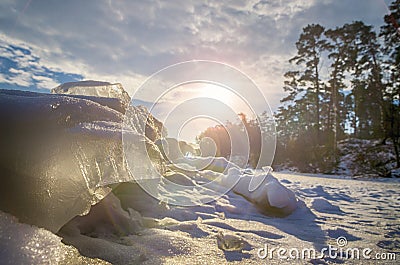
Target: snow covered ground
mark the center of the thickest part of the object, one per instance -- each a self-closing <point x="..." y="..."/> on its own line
<point x="365" y="213"/>
<point x="349" y="221"/>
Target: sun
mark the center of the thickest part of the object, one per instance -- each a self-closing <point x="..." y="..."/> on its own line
<point x="220" y="93"/>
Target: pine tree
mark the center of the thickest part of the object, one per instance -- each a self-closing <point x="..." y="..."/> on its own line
<point x="310" y="47"/>
<point x="390" y="32"/>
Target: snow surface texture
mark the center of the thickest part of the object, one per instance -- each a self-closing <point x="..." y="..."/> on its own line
<point x="231" y="229"/>
<point x="25" y="244"/>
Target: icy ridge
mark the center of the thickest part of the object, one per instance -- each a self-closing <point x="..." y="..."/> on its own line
<point x="94" y="88"/>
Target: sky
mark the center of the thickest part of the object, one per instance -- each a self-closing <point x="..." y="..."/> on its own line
<point x="45" y="43"/>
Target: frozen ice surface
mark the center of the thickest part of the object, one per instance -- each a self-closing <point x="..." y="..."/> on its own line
<point x="58" y="154"/>
<point x="94" y="88"/>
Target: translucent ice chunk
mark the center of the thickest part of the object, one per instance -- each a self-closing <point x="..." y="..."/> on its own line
<point x="94" y="88"/>
<point x="58" y="154"/>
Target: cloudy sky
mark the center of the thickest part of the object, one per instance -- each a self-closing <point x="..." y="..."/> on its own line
<point x="45" y="43"/>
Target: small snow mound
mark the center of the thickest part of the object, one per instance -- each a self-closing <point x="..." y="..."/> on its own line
<point x="277" y="195"/>
<point x="324" y="206"/>
<point x="270" y="195"/>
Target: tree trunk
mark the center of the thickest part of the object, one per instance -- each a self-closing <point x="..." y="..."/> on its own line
<point x="317" y="88"/>
<point x="380" y="88"/>
<point x="396" y="151"/>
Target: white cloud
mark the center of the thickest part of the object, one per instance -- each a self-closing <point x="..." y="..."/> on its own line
<point x="40" y="59"/>
<point x="18" y="77"/>
<point x="126" y="41"/>
<point x="283" y="8"/>
<point x="44" y="82"/>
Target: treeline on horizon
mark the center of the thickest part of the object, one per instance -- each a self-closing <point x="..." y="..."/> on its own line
<point x="345" y="83"/>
